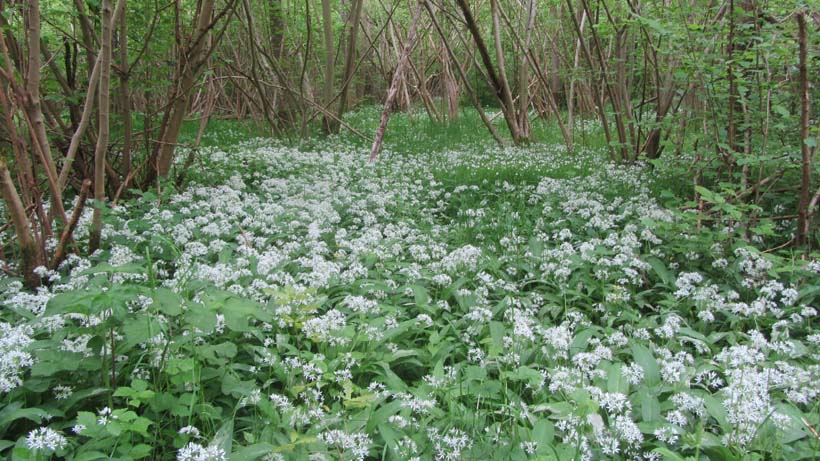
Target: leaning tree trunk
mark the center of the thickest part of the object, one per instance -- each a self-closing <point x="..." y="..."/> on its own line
<point x="466" y="81"/>
<point x="195" y="55"/>
<point x="125" y="96"/>
<point x="398" y="75"/>
<point x="33" y="107"/>
<point x="29" y="251"/>
<point x="501" y="90"/>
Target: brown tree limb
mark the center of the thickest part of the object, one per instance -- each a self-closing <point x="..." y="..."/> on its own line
<point x="398" y="75"/>
<point x="60" y="252"/>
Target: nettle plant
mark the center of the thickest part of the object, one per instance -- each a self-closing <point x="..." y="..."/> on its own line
<point x="467" y="304"/>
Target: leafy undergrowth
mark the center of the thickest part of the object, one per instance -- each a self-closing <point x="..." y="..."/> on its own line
<point x="518" y="304"/>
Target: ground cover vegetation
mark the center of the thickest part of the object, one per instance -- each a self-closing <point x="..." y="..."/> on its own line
<point x="360" y="230"/>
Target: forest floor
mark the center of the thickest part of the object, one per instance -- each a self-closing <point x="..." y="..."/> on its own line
<point x="458" y="302"/>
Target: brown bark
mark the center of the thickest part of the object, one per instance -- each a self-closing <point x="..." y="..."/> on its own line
<point x="194" y="56"/>
<point x="124" y="92"/>
<point x="502" y="92"/>
<point x="350" y="57"/>
<point x="466" y="81"/>
<point x="803" y="211"/>
<point x="103" y="134"/>
<point x="398" y="75"/>
<point x="33" y="107"/>
<point x="85" y="119"/>
<point x="523" y="71"/>
<point x="60" y="252"/>
<point x="29" y="251"/>
<point x="553" y="105"/>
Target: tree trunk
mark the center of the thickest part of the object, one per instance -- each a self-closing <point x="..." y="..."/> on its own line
<point x="523" y="72"/>
<point x="195" y="56"/>
<point x="30" y="253"/>
<point x="398" y="75"/>
<point x="519" y="135"/>
<point x="33" y="107"/>
<point x="350" y="58"/>
<point x="476" y="103"/>
<point x="125" y="96"/>
<point x="102" y="138"/>
<point x="803" y="212"/>
<point x="327" y="26"/>
<point x="502" y="92"/>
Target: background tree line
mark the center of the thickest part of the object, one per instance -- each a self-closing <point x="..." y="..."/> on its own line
<point x="94" y="94"/>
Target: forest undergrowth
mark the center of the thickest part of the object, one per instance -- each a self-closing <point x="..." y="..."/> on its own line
<point x="294" y="302"/>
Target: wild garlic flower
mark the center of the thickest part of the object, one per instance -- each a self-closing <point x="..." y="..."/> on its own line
<point x="196" y="452"/>
<point x="46" y="438"/>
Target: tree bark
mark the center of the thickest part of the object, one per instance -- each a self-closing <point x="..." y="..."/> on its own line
<point x="502" y="92"/>
<point x="195" y="55"/>
<point x="33" y="107"/>
<point x="30" y="252"/>
<point x="803" y="212"/>
<point x="327" y="27"/>
<point x="102" y="137"/>
<point x="466" y="81"/>
<point x="125" y="93"/>
<point x="398" y="75"/>
<point x="350" y="58"/>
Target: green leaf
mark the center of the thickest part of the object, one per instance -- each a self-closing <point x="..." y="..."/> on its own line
<point x="90" y="455"/>
<point x="650" y="407"/>
<point x="72" y="302"/>
<point x="140" y="328"/>
<point x="131" y="268"/>
<point x="716" y="410"/>
<point x="660" y="269"/>
<point x="202" y="318"/>
<point x="224" y="436"/>
<point x="14" y="411"/>
<point x="252" y="452"/>
<point x="616" y="382"/>
<point x="668" y="455"/>
<point x="167" y="302"/>
<point x="644" y="358"/>
<point x="531" y="376"/>
<point x="580" y="341"/>
<point x="543" y="433"/>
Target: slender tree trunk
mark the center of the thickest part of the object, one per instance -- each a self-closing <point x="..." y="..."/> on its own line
<point x="350" y="57"/>
<point x="523" y="71"/>
<point x="277" y="28"/>
<point x="518" y="136"/>
<point x="85" y="119"/>
<point x="89" y="38"/>
<point x="125" y="94"/>
<point x="88" y="106"/>
<point x="575" y="66"/>
<point x="195" y="55"/>
<point x="327" y="27"/>
<point x="32" y="103"/>
<point x="102" y="138"/>
<point x="803" y="212"/>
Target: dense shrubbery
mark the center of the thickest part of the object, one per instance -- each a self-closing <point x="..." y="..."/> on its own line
<point x="469" y="304"/>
